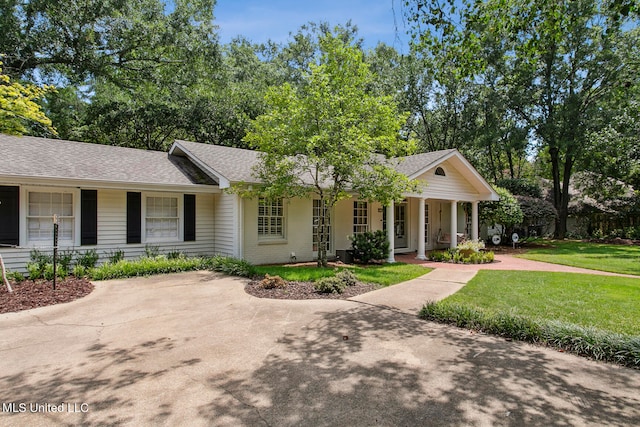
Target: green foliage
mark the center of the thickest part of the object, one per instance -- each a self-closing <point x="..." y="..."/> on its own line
<point x="174" y="254"/>
<point x="15" y="276"/>
<point x="603" y="302"/>
<point x="80" y="270"/>
<point x="536" y="211"/>
<point x="554" y="74"/>
<point x="621" y="259"/>
<point x="370" y="246"/>
<point x="35" y="270"/>
<point x="65" y="258"/>
<point x="384" y="275"/>
<point x="506" y="211"/>
<point x="329" y="285"/>
<point x="347" y="277"/>
<point x="145" y="267"/>
<point x="583" y="341"/>
<point x="19" y="106"/>
<point x="115" y="256"/>
<point x="232" y="266"/>
<point x="325" y="136"/>
<point x="464" y="255"/>
<point x="470" y="245"/>
<point x="520" y="187"/>
<point x="441" y="256"/>
<point x="151" y="251"/>
<point x="87" y="259"/>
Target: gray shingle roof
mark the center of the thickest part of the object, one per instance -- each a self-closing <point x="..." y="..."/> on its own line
<point x="234" y="164"/>
<point x="411" y="165"/>
<point x="27" y="156"/>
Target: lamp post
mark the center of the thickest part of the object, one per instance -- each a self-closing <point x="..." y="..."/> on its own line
<point x="55" y="249"/>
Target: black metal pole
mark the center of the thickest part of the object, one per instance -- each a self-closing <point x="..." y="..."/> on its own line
<point x="55" y="252"/>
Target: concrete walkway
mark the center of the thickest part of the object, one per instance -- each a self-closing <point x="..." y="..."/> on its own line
<point x="448" y="278"/>
<point x="195" y="349"/>
<point x="410" y="296"/>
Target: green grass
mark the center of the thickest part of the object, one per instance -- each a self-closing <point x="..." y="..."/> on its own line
<point x="613" y="258"/>
<point x="384" y="275"/>
<point x="603" y="302"/>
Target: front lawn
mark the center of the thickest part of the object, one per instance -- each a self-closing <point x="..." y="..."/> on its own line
<point x="589" y="315"/>
<point x="384" y="275"/>
<point x="595" y="256"/>
<point x="603" y="302"/>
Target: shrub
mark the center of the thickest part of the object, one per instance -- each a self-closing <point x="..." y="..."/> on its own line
<point x="47" y="273"/>
<point x="79" y="270"/>
<point x="272" y="282"/>
<point x="470" y="245"/>
<point x="175" y="254"/>
<point x="145" y="267"/>
<point x="232" y="266"/>
<point x="88" y="259"/>
<point x="115" y="256"/>
<point x="370" y="246"/>
<point x="329" y="285"/>
<point x="347" y="277"/>
<point x="63" y="262"/>
<point x="440" y="256"/>
<point x="35" y="270"/>
<point x="40" y="258"/>
<point x="589" y="342"/>
<point x="151" y="251"/>
<point x="15" y="276"/>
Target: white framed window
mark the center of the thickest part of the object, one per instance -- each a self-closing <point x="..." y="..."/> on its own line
<point x="40" y="209"/>
<point x="270" y="219"/>
<point x="317" y="212"/>
<point x="162" y="218"/>
<point x="360" y="217"/>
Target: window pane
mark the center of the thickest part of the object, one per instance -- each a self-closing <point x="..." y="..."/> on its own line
<point x="270" y="218"/>
<point x="161" y="217"/>
<point x="41" y="208"/>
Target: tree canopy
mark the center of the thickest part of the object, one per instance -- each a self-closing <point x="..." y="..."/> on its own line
<point x="330" y="136"/>
<point x="19" y="108"/>
<point x="552" y="68"/>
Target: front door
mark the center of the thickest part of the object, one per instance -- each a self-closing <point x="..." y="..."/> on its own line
<point x="400" y="226"/>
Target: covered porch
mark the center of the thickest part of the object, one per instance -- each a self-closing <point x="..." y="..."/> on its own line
<point x="421" y="224"/>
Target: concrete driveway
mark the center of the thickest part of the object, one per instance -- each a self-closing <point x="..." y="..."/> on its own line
<point x="194" y="349"/>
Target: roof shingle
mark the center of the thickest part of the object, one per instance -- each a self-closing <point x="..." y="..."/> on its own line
<point x="25" y="156"/>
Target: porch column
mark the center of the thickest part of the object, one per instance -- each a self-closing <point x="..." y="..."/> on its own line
<point x="420" y="254"/>
<point x="453" y="230"/>
<point x="391" y="223"/>
<point x="474" y="220"/>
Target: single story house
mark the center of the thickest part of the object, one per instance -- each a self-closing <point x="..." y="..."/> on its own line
<point x="112" y="198"/>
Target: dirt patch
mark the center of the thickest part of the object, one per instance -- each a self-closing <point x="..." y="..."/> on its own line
<point x="305" y="290"/>
<point x="31" y="294"/>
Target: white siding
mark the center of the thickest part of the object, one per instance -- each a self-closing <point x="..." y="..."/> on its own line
<point x="112" y="223"/>
<point x="298" y="234"/>
<point x="226" y="224"/>
<point x="453" y="186"/>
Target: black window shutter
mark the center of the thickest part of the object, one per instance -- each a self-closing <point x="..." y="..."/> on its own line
<point x="9" y="215"/>
<point x="88" y="217"/>
<point x="189" y="217"/>
<point x="134" y="217"/>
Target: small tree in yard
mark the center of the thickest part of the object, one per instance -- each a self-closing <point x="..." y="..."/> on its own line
<point x="505" y="211"/>
<point x="329" y="137"/>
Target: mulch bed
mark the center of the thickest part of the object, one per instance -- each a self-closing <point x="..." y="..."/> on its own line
<point x="31" y="294"/>
<point x="305" y="290"/>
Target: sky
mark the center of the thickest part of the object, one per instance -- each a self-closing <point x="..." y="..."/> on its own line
<point x="261" y="20"/>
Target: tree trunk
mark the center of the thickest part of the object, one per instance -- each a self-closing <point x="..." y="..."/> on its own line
<point x="323" y="237"/>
